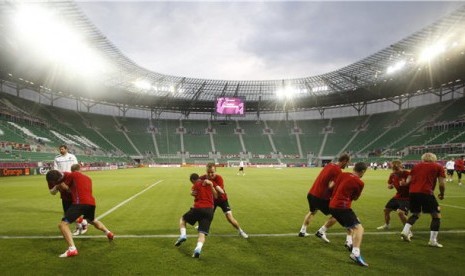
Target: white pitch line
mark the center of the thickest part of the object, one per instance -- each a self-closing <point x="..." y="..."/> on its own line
<point x="453" y="206"/>
<point x="460" y="231"/>
<point x="126" y="201"/>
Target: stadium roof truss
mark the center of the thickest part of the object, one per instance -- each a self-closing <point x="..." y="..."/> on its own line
<point x="362" y="81"/>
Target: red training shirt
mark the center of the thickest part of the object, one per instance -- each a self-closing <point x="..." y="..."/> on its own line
<point x="459" y="165"/>
<point x="204" y="196"/>
<point x="81" y="188"/>
<point x="394" y="180"/>
<point x="348" y="187"/>
<point x="424" y="176"/>
<point x="320" y="187"/>
<point x="218" y="181"/>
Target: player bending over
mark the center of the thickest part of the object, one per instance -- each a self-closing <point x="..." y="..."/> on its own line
<point x="83" y="204"/>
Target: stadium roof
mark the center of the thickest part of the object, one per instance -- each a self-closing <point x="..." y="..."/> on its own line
<point x="362" y="81"/>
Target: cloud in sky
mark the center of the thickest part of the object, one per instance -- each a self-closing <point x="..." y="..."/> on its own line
<point x="257" y="40"/>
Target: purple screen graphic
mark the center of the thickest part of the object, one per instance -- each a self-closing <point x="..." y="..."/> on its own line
<point x="230" y="106"/>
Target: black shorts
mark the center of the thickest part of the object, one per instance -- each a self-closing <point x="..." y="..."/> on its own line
<point x="66" y="204"/>
<point x="423" y="203"/>
<point x="203" y="216"/>
<point x="77" y="210"/>
<point x="241" y="168"/>
<point x="398" y="204"/>
<point x="224" y="205"/>
<point x="346" y="217"/>
<point x="316" y="203"/>
<point x="450" y="172"/>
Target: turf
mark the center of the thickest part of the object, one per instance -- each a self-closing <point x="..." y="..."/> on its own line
<point x="265" y="201"/>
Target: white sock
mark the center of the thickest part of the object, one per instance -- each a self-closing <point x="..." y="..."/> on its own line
<point x="199" y="246"/>
<point x="407" y="227"/>
<point x="433" y="236"/>
<point x="84" y="222"/>
<point x="323" y="229"/>
<point x="356" y="251"/>
<point x="349" y="239"/>
<point x="71" y="248"/>
<point x="303" y="229"/>
<point x="183" y="232"/>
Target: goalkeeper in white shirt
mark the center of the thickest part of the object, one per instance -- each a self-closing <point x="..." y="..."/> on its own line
<point x="64" y="160"/>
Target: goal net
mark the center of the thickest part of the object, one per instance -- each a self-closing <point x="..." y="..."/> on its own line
<point x="233" y="163"/>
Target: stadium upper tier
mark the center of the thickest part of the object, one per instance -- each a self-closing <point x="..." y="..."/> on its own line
<point x="399" y="69"/>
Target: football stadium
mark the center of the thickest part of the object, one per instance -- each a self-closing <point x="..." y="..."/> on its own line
<point x="140" y="134"/>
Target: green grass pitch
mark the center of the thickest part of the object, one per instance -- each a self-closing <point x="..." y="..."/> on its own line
<point x="268" y="203"/>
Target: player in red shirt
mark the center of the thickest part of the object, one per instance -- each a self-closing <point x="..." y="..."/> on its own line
<point x="83" y="204"/>
<point x="319" y="194"/>
<point x="66" y="201"/>
<point x="459" y="168"/>
<point x="348" y="187"/>
<point x="204" y="193"/>
<point x="422" y="181"/>
<point x="400" y="201"/>
<point x="222" y="200"/>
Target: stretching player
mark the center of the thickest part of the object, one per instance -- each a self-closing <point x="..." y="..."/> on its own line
<point x="222" y="200"/>
<point x="400" y="201"/>
<point x="348" y="187"/>
<point x="422" y="181"/>
<point x="83" y="204"/>
<point x="319" y="194"/>
<point x="204" y="193"/>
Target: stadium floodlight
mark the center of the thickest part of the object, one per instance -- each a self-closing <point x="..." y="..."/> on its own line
<point x="396" y="67"/>
<point x="143" y="84"/>
<point x="51" y="39"/>
<point x="432" y="51"/>
<point x="287" y="92"/>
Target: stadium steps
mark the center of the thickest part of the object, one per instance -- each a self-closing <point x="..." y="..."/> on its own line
<point x="343" y="129"/>
<point x="325" y="139"/>
<point x="297" y="139"/>
<point x="154" y="138"/>
<point x="167" y="139"/>
<point x="455" y="138"/>
<point x="353" y="136"/>
<point x="421" y="124"/>
<point x="127" y="136"/>
<point x="212" y="141"/>
<point x="270" y="140"/>
<point x="241" y="139"/>
<point x="402" y="119"/>
<point x="311" y="136"/>
<point x="284" y="140"/>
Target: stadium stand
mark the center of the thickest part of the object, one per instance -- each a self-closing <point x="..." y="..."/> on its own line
<point x="115" y="138"/>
